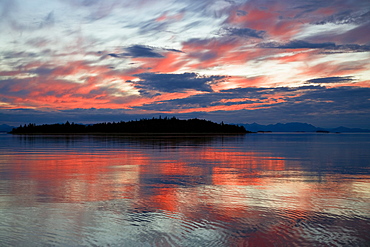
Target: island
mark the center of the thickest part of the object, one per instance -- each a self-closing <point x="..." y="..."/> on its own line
<point x="155" y="125"/>
<point x="322" y="131"/>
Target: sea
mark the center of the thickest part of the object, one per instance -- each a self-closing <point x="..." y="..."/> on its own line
<point x="260" y="189"/>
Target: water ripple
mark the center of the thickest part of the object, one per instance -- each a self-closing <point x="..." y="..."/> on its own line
<point x="57" y="191"/>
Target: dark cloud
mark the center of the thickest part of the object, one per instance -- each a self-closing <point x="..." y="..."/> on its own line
<point x="327" y="46"/>
<point x="331" y="80"/>
<point x="142" y="51"/>
<point x="318" y="105"/>
<point x="322" y="102"/>
<point x="351" y="48"/>
<point x="173" y="50"/>
<point x="246" y="95"/>
<point x="342" y="8"/>
<point x="241" y="12"/>
<point x="346" y="17"/>
<point x="42" y="71"/>
<point x="175" y="82"/>
<point x="18" y="55"/>
<point x="349" y="98"/>
<point x="117" y="55"/>
<point x="298" y="44"/>
<point x="245" y="32"/>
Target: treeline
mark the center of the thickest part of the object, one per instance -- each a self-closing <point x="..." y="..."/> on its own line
<point x="154" y="125"/>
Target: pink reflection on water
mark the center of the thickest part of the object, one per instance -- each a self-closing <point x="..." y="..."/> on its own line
<point x="258" y="198"/>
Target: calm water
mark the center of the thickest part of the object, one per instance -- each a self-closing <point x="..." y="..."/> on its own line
<point x="252" y="190"/>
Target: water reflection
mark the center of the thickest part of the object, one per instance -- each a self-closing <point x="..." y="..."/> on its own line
<point x="183" y="190"/>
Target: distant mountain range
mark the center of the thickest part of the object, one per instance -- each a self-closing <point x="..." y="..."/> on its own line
<point x="297" y="127"/>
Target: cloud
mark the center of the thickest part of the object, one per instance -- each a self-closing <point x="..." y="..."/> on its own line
<point x="325" y="102"/>
<point x="351" y="34"/>
<point x="321" y="106"/>
<point x="351" y="48"/>
<point x="48" y="21"/>
<point x="142" y="51"/>
<point x="312" y="104"/>
<point x="344" y="79"/>
<point x="116" y="55"/>
<point x="152" y="26"/>
<point x="318" y="105"/>
<point x="245" y="32"/>
<point x="206" y="53"/>
<point x="298" y="44"/>
<point x="241" y="12"/>
<point x="284" y="20"/>
<point x="237" y="98"/>
<point x="276" y="18"/>
<point x="173" y="50"/>
<point x="330" y="46"/>
<point x="346" y="17"/>
<point x="7" y="7"/>
<point x="97" y="9"/>
<point x="175" y="82"/>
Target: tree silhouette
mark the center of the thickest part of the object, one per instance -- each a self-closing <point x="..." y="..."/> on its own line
<point x="154" y="125"/>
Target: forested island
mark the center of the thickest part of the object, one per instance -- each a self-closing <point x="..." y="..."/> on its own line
<point x="154" y="125"/>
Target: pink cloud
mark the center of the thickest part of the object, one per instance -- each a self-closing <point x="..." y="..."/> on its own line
<point x="239" y="82"/>
<point x="268" y="18"/>
<point x="166" y="17"/>
<point x="171" y="62"/>
<point x="330" y="69"/>
<point x="264" y="102"/>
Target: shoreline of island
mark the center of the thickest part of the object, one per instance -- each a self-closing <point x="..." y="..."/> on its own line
<point x="136" y="134"/>
<point x="154" y="126"/>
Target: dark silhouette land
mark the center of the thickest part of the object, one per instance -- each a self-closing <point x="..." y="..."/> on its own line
<point x="154" y="125"/>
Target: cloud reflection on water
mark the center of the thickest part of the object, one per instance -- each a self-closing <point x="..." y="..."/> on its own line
<point x="217" y="188"/>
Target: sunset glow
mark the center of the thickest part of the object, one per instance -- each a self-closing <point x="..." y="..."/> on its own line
<point x="85" y="61"/>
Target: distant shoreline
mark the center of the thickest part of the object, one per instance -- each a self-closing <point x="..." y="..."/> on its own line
<point x="174" y="134"/>
<point x="136" y="134"/>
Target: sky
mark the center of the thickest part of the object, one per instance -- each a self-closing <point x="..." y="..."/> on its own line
<point x="237" y="61"/>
